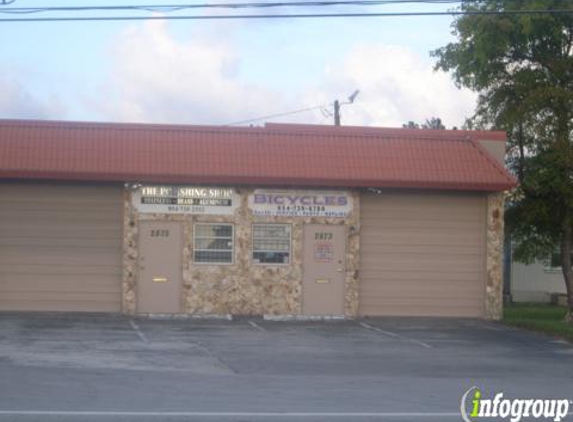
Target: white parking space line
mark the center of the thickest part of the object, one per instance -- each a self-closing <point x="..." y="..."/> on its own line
<point x="379" y="330"/>
<point x="493" y="328"/>
<point x="256" y="326"/>
<point x="138" y="331"/>
<point x="394" y="335"/>
<point x="414" y="415"/>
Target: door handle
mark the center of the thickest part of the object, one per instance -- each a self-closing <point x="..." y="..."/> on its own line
<point x="340" y="270"/>
<point x="160" y="279"/>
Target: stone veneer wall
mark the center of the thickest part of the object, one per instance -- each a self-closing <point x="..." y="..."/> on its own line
<point x="243" y="288"/>
<point x="494" y="257"/>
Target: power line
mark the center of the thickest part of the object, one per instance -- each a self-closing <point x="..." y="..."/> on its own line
<point x="166" y="8"/>
<point x="179" y="7"/>
<point x="288" y="113"/>
<point x="323" y="109"/>
<point x="290" y="16"/>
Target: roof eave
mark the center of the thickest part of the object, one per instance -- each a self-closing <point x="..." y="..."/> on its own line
<point x="256" y="180"/>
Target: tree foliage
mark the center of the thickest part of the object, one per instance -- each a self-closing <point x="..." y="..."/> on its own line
<point x="431" y="123"/>
<point x="521" y="66"/>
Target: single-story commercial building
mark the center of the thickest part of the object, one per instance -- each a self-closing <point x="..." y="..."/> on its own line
<point x="275" y="220"/>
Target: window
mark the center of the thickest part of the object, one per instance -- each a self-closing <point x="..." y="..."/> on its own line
<point x="554" y="261"/>
<point x="213" y="243"/>
<point x="271" y="243"/>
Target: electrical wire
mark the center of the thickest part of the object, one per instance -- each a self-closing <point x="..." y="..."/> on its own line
<point x="171" y="8"/>
<point x="288" y="113"/>
<point x="290" y="16"/>
<point x="179" y="7"/>
<point x="273" y="4"/>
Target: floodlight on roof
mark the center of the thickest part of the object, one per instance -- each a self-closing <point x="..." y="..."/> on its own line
<point x="353" y="96"/>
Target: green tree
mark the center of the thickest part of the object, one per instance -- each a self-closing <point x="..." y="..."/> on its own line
<point x="431" y="123"/>
<point x="521" y="66"/>
<point x="411" y="125"/>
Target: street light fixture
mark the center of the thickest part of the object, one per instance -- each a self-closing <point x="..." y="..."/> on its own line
<point x="337" y="105"/>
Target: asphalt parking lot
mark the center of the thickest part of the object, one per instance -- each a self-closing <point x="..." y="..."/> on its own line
<point x="94" y="367"/>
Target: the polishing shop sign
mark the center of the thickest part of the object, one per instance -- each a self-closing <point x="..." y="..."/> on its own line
<point x="294" y="203"/>
<point x="185" y="200"/>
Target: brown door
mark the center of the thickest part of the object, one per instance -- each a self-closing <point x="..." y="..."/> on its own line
<point x="159" y="267"/>
<point x="323" y="267"/>
<point x="422" y="254"/>
<point x="60" y="247"/>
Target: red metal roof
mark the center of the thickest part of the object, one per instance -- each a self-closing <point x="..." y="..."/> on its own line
<point x="490" y="135"/>
<point x="275" y="155"/>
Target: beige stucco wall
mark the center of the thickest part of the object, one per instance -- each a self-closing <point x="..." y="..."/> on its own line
<point x="242" y="288"/>
<point x="495" y="148"/>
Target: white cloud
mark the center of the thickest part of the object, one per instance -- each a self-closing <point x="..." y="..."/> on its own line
<point x="156" y="78"/>
<point x="397" y="85"/>
<point x="17" y="102"/>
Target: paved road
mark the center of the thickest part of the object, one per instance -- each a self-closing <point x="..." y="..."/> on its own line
<point x="70" y="367"/>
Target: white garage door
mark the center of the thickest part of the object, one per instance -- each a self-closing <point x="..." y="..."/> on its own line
<point x="423" y="254"/>
<point x="60" y="247"/>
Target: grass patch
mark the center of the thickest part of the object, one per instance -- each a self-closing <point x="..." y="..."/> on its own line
<point x="546" y="319"/>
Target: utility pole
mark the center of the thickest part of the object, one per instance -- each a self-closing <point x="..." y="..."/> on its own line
<point x="337" y="105"/>
<point x="336" y="113"/>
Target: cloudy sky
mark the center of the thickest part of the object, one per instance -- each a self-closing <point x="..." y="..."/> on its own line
<point x="218" y="72"/>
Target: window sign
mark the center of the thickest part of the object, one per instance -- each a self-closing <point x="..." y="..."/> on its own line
<point x="324" y="251"/>
<point x="185" y="200"/>
<point x="291" y="203"/>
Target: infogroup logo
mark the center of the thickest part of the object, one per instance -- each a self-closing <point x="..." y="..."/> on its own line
<point x="475" y="407"/>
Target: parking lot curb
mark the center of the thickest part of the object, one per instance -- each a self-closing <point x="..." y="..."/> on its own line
<point x="304" y="318"/>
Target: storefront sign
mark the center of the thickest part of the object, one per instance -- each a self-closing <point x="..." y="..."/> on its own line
<point x="185" y="200"/>
<point x="291" y="203"/>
